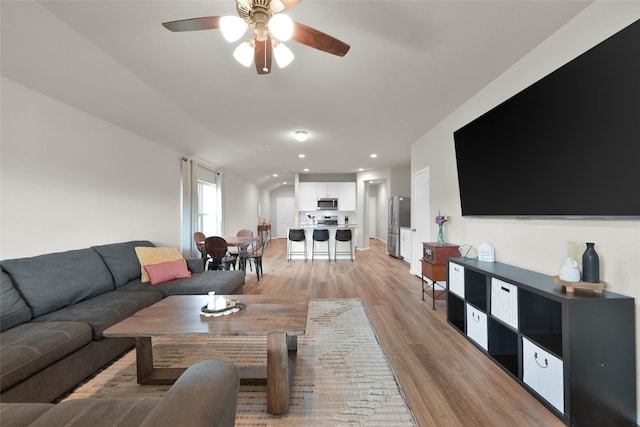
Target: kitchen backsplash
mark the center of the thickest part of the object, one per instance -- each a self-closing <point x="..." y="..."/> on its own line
<point x="313" y="216"/>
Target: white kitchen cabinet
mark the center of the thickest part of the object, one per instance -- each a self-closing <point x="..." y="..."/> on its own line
<point x="405" y="244"/>
<point x="307" y="196"/>
<point x="347" y="196"/>
<point x="327" y="190"/>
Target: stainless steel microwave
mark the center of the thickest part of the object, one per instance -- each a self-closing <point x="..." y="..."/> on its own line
<point x="327" y="204"/>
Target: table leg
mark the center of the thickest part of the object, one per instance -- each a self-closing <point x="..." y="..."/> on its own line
<point x="146" y="373"/>
<point x="281" y="352"/>
<point x="144" y="358"/>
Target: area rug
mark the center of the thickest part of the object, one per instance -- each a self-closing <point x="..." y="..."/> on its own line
<point x="342" y="377"/>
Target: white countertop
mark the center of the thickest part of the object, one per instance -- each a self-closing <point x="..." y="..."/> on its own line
<point x="311" y="226"/>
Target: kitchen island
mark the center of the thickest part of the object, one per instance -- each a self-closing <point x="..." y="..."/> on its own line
<point x="321" y="246"/>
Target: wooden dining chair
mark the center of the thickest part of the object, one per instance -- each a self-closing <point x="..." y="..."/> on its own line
<point x="199" y="238"/>
<point x="217" y="250"/>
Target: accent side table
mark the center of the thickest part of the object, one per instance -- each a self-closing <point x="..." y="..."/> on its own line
<point x="434" y="265"/>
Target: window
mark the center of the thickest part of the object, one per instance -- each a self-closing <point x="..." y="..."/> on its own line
<point x="209" y="209"/>
<point x="202" y="189"/>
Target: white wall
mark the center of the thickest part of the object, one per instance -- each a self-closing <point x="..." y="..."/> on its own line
<point x="241" y="205"/>
<point x="400" y="182"/>
<point x="70" y="180"/>
<point x="536" y="244"/>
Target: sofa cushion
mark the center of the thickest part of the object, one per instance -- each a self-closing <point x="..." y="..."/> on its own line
<point x="52" y="281"/>
<point x="121" y="259"/>
<point x="122" y="412"/>
<point x="22" y="414"/>
<point x="13" y="309"/>
<point x="31" y="347"/>
<point x="148" y="256"/>
<point x="168" y="270"/>
<point x="223" y="282"/>
<point x="195" y="265"/>
<point x="103" y="311"/>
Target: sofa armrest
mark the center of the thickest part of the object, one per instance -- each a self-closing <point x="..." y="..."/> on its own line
<point x="206" y="394"/>
<point x="195" y="265"/>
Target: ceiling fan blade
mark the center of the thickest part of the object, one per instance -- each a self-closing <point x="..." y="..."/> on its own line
<point x="290" y="3"/>
<point x="319" y="40"/>
<point x="194" y="24"/>
<point x="262" y="56"/>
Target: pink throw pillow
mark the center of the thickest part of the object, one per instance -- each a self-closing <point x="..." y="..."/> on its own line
<point x="169" y="270"/>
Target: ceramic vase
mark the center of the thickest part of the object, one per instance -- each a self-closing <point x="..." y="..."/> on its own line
<point x="590" y="265"/>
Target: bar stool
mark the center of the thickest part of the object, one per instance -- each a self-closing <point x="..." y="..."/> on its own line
<point x="320" y="235"/>
<point x="297" y="235"/>
<point x="343" y="235"/>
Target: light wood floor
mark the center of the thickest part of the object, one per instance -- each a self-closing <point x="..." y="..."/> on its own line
<point x="447" y="381"/>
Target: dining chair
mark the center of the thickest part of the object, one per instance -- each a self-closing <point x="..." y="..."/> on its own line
<point x="199" y="237"/>
<point x="217" y="250"/>
<point x="256" y="256"/>
<point x="242" y="252"/>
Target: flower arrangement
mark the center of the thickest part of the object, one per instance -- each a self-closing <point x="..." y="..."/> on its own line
<point x="440" y="220"/>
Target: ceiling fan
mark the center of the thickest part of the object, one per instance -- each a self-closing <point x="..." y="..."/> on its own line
<point x="270" y="28"/>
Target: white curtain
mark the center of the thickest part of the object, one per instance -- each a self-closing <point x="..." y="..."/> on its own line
<point x="201" y="203"/>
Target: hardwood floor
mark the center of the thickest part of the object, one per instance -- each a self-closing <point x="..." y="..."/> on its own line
<point x="446" y="379"/>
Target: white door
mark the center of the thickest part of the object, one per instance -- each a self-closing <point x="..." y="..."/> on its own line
<point x="372" y="217"/>
<point x="286" y="214"/>
<point x="420" y="218"/>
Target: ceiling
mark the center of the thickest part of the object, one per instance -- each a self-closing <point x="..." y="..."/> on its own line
<point x="411" y="64"/>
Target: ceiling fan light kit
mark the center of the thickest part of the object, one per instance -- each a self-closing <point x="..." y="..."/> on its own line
<point x="244" y="54"/>
<point x="281" y="27"/>
<point x="270" y="29"/>
<point x="232" y="28"/>
<point x="283" y="55"/>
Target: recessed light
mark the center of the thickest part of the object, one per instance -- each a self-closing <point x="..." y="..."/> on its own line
<point x="302" y="156"/>
<point x="284" y="183"/>
<point x="361" y="170"/>
<point x="373" y="156"/>
<point x="301" y="135"/>
<point x="306" y="169"/>
<point x="275" y="175"/>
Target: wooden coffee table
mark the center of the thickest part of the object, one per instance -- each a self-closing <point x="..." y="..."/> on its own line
<point x="281" y="319"/>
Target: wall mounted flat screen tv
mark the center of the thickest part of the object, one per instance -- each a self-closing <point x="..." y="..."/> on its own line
<point x="566" y="146"/>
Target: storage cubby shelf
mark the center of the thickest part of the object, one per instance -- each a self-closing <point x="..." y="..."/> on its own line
<point x="575" y="352"/>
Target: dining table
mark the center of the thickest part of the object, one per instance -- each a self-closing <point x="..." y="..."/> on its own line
<point x="242" y="243"/>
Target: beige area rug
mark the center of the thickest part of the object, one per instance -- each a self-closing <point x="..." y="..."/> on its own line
<point x="342" y="375"/>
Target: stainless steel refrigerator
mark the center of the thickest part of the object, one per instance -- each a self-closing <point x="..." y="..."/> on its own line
<point x="399" y="216"/>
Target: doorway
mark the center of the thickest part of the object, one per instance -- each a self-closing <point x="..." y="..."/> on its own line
<point x="286" y="215"/>
<point x="372" y="217"/>
<point x="420" y="218"/>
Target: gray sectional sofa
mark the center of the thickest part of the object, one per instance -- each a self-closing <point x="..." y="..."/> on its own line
<point x="205" y="395"/>
<point x="54" y="308"/>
